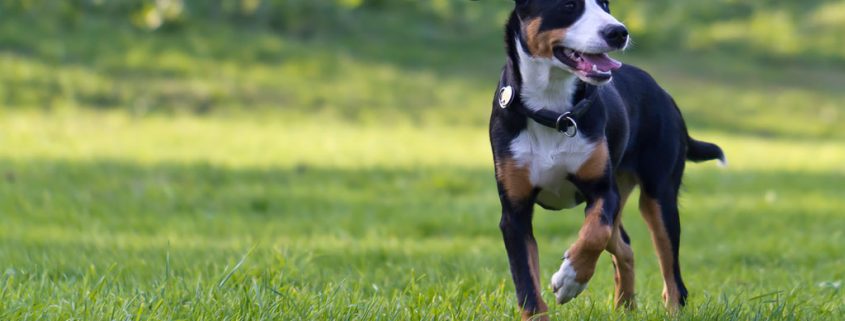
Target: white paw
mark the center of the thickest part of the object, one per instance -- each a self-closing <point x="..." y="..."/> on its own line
<point x="564" y="284"/>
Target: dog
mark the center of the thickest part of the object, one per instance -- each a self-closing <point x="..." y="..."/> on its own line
<point x="571" y="125"/>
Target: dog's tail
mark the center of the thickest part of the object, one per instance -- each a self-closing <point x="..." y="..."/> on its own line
<point x="698" y="151"/>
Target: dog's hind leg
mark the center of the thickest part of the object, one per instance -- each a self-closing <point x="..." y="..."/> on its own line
<point x="623" y="265"/>
<point x="620" y="247"/>
<point x="517" y="197"/>
<point x="659" y="207"/>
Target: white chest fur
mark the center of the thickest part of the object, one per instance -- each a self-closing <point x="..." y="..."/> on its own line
<point x="548" y="154"/>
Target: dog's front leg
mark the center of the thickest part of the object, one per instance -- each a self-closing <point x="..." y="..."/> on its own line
<point x="595" y="181"/>
<point x="523" y="258"/>
<point x="517" y="196"/>
<point x="579" y="262"/>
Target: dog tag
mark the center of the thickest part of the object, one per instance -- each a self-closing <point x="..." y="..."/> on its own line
<point x="505" y="96"/>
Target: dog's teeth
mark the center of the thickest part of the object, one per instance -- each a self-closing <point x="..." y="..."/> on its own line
<point x="595" y="69"/>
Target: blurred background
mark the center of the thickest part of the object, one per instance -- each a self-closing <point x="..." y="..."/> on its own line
<point x="255" y="156"/>
<point x="417" y="61"/>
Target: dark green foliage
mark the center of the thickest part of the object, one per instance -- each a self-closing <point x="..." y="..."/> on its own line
<point x="774" y="28"/>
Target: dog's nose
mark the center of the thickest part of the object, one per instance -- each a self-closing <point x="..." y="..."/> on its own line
<point x="615" y="36"/>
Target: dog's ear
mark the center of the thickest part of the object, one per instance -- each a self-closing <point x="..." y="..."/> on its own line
<point x="520" y="2"/>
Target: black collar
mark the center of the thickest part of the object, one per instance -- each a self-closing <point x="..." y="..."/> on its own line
<point x="566" y="122"/>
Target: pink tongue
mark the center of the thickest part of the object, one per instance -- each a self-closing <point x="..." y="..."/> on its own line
<point x="602" y="62"/>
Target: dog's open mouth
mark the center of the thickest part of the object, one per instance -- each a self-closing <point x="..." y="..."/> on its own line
<point x="597" y="67"/>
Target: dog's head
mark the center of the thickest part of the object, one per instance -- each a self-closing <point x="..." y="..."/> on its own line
<point x="574" y="35"/>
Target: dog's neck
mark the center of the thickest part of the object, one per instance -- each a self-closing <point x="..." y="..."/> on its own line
<point x="544" y="86"/>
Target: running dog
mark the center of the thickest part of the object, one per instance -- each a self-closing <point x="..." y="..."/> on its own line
<point x="572" y="125"/>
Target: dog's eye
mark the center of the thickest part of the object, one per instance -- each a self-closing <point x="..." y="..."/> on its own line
<point x="605" y="5"/>
<point x="570" y="5"/>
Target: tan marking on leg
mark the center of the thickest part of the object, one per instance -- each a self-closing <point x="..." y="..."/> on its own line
<point x="515" y="179"/>
<point x="623" y="264"/>
<point x="650" y="209"/>
<point x="596" y="165"/>
<point x="592" y="240"/>
<point x="534" y="265"/>
<point x="623" y="255"/>
<point x="626" y="182"/>
<point x="542" y="44"/>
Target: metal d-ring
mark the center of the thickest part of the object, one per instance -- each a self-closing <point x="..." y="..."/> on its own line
<point x="571" y="128"/>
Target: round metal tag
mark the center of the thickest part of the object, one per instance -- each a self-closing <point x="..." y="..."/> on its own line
<point x="505" y="96"/>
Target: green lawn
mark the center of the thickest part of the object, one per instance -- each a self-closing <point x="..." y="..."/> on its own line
<point x="110" y="217"/>
<point x="281" y="178"/>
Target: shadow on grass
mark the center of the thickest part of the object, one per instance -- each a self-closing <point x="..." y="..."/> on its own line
<point x="393" y="65"/>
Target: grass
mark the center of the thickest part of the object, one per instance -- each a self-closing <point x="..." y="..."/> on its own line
<point x="108" y="216"/>
<point x="224" y="173"/>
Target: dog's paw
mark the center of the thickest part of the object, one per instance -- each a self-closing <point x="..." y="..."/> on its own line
<point x="564" y="284"/>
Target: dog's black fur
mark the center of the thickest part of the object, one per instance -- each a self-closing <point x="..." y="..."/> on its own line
<point x="647" y="145"/>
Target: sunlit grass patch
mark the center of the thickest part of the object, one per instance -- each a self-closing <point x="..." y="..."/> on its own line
<point x="250" y="142"/>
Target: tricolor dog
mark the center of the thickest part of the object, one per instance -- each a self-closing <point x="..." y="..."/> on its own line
<point x="572" y="125"/>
